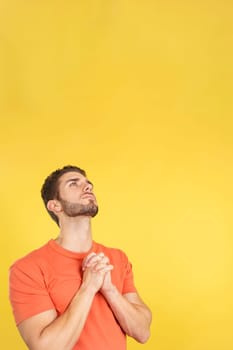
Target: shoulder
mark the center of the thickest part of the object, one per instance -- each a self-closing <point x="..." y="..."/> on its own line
<point x="32" y="259"/>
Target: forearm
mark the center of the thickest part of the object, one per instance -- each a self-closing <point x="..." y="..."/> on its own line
<point x="48" y="331"/>
<point x="64" y="331"/>
<point x="134" y="318"/>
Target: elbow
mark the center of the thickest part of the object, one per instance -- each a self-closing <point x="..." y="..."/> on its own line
<point x="144" y="335"/>
<point x="143" y="338"/>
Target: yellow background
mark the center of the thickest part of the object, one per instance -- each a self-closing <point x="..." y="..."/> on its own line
<point x="140" y="95"/>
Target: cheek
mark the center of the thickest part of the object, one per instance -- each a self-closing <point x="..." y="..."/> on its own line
<point x="72" y="194"/>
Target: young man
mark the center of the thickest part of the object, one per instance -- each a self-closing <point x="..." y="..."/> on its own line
<point x="74" y="293"/>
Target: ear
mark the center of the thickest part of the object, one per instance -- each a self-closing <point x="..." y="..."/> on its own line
<point x="54" y="206"/>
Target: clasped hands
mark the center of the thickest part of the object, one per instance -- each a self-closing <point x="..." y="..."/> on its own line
<point x="96" y="272"/>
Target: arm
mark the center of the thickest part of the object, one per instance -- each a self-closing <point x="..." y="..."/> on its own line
<point x="47" y="331"/>
<point x="130" y="311"/>
<point x="132" y="314"/>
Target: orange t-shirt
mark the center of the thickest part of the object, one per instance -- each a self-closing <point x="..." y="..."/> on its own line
<point x="49" y="277"/>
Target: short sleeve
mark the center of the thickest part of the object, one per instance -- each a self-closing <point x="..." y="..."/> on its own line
<point x="27" y="291"/>
<point x="128" y="286"/>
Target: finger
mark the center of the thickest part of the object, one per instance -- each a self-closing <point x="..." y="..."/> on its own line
<point x="105" y="260"/>
<point x="87" y="259"/>
<point x="102" y="267"/>
<point x="94" y="259"/>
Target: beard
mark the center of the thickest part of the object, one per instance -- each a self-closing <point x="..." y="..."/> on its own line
<point x="77" y="209"/>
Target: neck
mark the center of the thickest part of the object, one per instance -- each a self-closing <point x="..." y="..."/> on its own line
<point x="75" y="234"/>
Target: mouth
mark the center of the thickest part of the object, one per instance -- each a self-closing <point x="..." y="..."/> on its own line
<point x="88" y="195"/>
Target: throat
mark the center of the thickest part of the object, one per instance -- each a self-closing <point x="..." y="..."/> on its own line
<point x="76" y="237"/>
<point x="75" y="245"/>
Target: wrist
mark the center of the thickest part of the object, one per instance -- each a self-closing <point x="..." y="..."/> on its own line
<point x="87" y="289"/>
<point x="110" y="291"/>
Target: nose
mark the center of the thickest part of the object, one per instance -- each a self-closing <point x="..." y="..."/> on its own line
<point x="88" y="187"/>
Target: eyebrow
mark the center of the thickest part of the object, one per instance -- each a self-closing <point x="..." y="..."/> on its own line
<point x="77" y="179"/>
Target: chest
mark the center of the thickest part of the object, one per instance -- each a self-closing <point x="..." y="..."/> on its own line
<point x="65" y="278"/>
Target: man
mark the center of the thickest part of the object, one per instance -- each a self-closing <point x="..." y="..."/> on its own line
<point x="74" y="293"/>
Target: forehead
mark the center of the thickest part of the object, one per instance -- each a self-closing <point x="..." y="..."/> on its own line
<point x="70" y="175"/>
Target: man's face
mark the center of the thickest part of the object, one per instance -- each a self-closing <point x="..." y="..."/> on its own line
<point x="75" y="193"/>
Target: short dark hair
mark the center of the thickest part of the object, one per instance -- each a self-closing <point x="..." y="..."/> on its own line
<point x="49" y="189"/>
